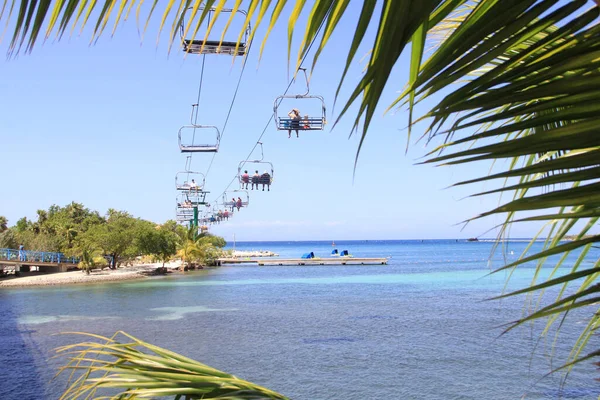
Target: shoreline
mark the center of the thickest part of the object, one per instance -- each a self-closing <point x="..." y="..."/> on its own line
<point x="80" y="277"/>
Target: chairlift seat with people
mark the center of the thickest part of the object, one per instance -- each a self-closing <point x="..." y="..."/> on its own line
<point x="294" y="120"/>
<point x="246" y="175"/>
<point x="302" y="123"/>
<point x="202" y="144"/>
<point x="228" y="197"/>
<point x="190" y="181"/>
<point x="195" y="46"/>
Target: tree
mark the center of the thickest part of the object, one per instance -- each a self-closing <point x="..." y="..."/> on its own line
<point x="115" y="237"/>
<point x="3" y="224"/>
<point x="159" y="242"/>
<point x="509" y="80"/>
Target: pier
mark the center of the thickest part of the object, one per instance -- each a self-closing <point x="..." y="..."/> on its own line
<point x="14" y="261"/>
<point x="305" y="261"/>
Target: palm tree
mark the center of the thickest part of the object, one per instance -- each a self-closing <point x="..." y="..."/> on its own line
<point x="189" y="252"/>
<point x="512" y="80"/>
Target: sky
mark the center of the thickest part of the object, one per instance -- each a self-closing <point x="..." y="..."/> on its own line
<point x="97" y="124"/>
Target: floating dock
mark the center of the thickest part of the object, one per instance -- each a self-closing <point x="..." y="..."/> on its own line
<point x="305" y="261"/>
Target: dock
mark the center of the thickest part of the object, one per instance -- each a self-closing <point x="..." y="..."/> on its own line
<point x="305" y="261"/>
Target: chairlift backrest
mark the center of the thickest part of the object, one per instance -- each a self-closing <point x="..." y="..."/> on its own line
<point x="193" y="45"/>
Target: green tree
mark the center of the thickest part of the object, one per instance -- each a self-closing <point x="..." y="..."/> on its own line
<point x="159" y="242"/>
<point x="8" y="239"/>
<point x="115" y="237"/>
<point x="3" y="223"/>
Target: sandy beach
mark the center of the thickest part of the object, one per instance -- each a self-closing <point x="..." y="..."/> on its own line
<point x="79" y="277"/>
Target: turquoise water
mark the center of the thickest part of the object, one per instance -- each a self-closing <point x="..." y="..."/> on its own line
<point x="419" y="328"/>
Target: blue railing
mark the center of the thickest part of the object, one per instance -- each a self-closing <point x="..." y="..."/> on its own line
<point x="36" y="256"/>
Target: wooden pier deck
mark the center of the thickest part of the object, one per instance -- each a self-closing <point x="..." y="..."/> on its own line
<point x="305" y="261"/>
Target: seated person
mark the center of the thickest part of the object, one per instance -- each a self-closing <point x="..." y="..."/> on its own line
<point x="255" y="180"/>
<point x="226" y="215"/>
<point x="193" y="186"/>
<point x="245" y="180"/>
<point x="306" y="122"/>
<point x="265" y="179"/>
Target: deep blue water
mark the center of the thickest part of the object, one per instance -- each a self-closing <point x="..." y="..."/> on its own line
<point x="419" y="328"/>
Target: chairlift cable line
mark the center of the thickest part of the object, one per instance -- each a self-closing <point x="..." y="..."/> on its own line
<point x="197" y="106"/>
<point x="284" y="93"/>
<point x="232" y="103"/>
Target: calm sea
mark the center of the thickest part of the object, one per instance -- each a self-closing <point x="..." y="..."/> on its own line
<point x="421" y="327"/>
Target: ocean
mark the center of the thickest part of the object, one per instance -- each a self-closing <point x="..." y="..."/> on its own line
<point x="422" y="327"/>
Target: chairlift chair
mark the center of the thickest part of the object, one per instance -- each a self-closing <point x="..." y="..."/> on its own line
<point x="258" y="165"/>
<point x="305" y="123"/>
<point x="195" y="46"/>
<point x="187" y="201"/>
<point x="242" y="194"/>
<point x="183" y="181"/>
<point x="195" y="146"/>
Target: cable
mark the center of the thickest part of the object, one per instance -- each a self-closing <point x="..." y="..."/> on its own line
<point x="231" y="105"/>
<point x="189" y="163"/>
<point x="272" y="115"/>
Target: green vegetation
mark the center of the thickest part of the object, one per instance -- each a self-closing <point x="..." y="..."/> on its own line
<point x="119" y="237"/>
<point x="512" y="81"/>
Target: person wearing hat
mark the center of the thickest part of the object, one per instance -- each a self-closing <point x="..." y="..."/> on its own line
<point x="295" y="116"/>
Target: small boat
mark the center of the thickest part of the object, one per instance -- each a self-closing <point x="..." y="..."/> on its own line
<point x="333" y="244"/>
<point x="472" y="240"/>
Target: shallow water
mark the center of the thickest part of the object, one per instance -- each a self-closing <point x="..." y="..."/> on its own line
<point x="419" y="327"/>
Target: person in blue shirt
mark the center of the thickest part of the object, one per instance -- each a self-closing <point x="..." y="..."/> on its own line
<point x="21" y="253"/>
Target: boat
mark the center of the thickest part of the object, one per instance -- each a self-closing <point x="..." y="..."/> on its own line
<point x="472" y="240"/>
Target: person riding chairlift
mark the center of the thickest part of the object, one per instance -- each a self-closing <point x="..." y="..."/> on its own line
<point x="295" y="125"/>
<point x="193" y="186"/>
<point x="265" y="179"/>
<point x="238" y="203"/>
<point x="255" y="180"/>
<point x="245" y="180"/>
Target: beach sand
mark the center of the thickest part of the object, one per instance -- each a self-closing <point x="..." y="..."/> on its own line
<point x="76" y="277"/>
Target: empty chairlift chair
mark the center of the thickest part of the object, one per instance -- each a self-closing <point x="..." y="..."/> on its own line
<point x="216" y="44"/>
<point x="292" y="122"/>
<point x="199" y="139"/>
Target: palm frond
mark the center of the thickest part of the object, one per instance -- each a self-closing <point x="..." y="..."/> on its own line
<point x="135" y="369"/>
<point x="524" y="79"/>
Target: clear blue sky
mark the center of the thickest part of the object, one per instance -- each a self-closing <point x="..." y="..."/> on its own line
<point x="98" y="125"/>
